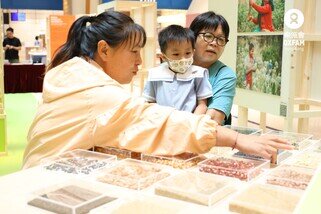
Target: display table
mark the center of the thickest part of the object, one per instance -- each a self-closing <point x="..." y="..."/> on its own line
<point x="22" y="78"/>
<point x="19" y="188"/>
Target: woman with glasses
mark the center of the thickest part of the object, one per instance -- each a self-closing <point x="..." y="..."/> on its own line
<point x="211" y="32"/>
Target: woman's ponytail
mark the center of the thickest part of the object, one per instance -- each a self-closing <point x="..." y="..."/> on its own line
<point x="113" y="27"/>
<point x="72" y="46"/>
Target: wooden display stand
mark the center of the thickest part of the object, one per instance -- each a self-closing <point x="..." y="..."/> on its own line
<point x="301" y="105"/>
<point x="144" y="14"/>
<point x="295" y="101"/>
<point x="3" y="131"/>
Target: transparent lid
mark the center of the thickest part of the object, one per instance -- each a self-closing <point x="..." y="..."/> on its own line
<point x="196" y="187"/>
<point x="182" y="161"/>
<point x="245" y="130"/>
<point x="120" y="153"/>
<point x="73" y="196"/>
<point x="221" y="151"/>
<point x="142" y="204"/>
<point x="78" y="162"/>
<point x="241" y="168"/>
<point x="306" y="159"/>
<point x="281" y="156"/>
<point x="290" y="176"/>
<point x="316" y="146"/>
<point x="261" y="198"/>
<point x="133" y="174"/>
<point x="298" y="140"/>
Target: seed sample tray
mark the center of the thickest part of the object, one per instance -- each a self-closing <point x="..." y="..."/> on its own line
<point x="245" y="130"/>
<point x="182" y="161"/>
<point x="298" y="140"/>
<point x="78" y="162"/>
<point x="265" y="199"/>
<point x="196" y="187"/>
<point x="290" y="176"/>
<point x="241" y="168"/>
<point x="307" y="159"/>
<point x="281" y="156"/>
<point x="144" y="204"/>
<point x="70" y="198"/>
<point x="317" y="147"/>
<point x="133" y="174"/>
<point x="120" y="153"/>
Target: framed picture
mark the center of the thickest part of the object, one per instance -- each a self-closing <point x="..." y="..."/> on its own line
<point x="260" y="16"/>
<point x="259" y="63"/>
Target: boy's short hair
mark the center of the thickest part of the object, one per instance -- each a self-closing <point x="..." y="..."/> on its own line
<point x="175" y="33"/>
<point x="10" y="29"/>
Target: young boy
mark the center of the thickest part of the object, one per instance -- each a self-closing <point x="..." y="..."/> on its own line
<point x="176" y="82"/>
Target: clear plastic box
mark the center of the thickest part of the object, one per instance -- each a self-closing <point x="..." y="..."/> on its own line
<point x="120" y="153"/>
<point x="290" y="176"/>
<point x="221" y="151"/>
<point x="298" y="140"/>
<point x="306" y="159"/>
<point x="182" y="161"/>
<point x="244" y="169"/>
<point x="316" y="146"/>
<point x="71" y="197"/>
<point x="143" y="204"/>
<point x="265" y="199"/>
<point x="245" y="130"/>
<point x="78" y="162"/>
<point x="196" y="187"/>
<point x="133" y="174"/>
<point x="281" y="156"/>
<point x="227" y="151"/>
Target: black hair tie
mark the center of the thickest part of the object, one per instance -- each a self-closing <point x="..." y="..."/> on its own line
<point x="90" y="20"/>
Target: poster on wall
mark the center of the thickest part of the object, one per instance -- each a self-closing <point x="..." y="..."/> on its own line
<point x="59" y="26"/>
<point x="259" y="63"/>
<point x="260" y="16"/>
<point x="259" y="45"/>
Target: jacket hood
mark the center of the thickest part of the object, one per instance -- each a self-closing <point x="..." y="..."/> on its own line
<point x="73" y="76"/>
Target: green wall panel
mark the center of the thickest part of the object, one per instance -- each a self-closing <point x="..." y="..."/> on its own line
<point x="2" y="135"/>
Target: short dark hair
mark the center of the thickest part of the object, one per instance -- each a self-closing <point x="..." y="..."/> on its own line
<point x="251" y="46"/>
<point x="175" y="33"/>
<point x="10" y="29"/>
<point x="36" y="38"/>
<point x="114" y="27"/>
<point x="271" y="4"/>
<point x="209" y="21"/>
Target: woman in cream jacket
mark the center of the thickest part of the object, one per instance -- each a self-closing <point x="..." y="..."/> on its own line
<point x="85" y="105"/>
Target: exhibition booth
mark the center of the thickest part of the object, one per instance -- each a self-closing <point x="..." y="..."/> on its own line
<point x="106" y="179"/>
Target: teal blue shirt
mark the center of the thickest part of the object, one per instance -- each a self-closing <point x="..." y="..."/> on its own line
<point x="223" y="81"/>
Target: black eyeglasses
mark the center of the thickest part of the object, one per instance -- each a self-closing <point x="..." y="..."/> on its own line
<point x="209" y="38"/>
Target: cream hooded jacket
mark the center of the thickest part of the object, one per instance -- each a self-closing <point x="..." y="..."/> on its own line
<point x="82" y="107"/>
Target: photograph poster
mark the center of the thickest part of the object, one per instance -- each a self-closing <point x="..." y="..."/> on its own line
<point x="259" y="63"/>
<point x="260" y="16"/>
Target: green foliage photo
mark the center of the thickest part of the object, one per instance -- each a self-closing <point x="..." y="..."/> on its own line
<point x="268" y="60"/>
<point x="244" y="11"/>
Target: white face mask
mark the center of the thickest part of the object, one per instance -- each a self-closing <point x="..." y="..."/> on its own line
<point x="181" y="65"/>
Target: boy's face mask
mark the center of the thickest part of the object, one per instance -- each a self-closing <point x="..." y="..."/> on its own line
<point x="180" y="65"/>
